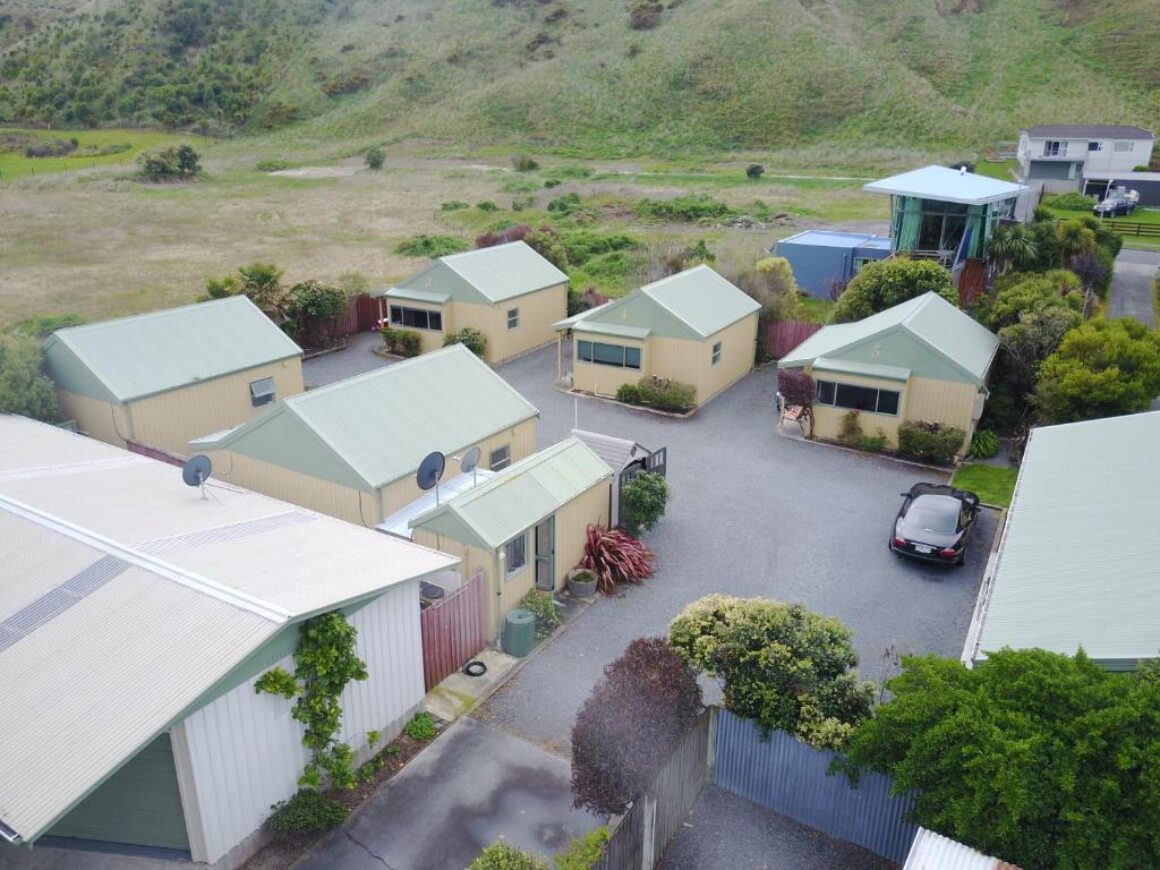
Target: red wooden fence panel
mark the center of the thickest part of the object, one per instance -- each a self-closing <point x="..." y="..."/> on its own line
<point x="361" y="315"/>
<point x="782" y="336"/>
<point x="453" y="630"/>
<point x="155" y="453"/>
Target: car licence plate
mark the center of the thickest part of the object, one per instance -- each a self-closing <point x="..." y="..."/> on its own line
<point x="919" y="548"/>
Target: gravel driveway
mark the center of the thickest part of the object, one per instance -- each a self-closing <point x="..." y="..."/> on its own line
<point x="751" y="514"/>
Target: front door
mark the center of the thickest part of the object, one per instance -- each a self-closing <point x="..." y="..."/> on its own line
<point x="546" y="554"/>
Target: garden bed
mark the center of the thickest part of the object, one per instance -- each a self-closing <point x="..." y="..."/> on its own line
<point x="311" y="353"/>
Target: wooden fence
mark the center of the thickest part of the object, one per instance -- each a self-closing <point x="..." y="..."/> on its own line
<point x="782" y="336"/>
<point x="452" y="630"/>
<point x="1132" y="228"/>
<point x="361" y="315"/>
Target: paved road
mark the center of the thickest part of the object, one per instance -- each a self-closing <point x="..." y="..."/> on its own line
<point x="1132" y="286"/>
<point x="751" y="514"/>
<point x="724" y="830"/>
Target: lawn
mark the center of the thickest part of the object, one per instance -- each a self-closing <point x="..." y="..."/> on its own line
<point x="126" y="144"/>
<point x="1001" y="170"/>
<point x="992" y="483"/>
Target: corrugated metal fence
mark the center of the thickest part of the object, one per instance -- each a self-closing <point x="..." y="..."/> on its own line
<point x="642" y="835"/>
<point x="453" y="630"/>
<point x="789" y="777"/>
<point x="782" y="336"/>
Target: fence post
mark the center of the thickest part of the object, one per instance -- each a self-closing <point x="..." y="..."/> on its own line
<point x="648" y="832"/>
<point x="711" y="748"/>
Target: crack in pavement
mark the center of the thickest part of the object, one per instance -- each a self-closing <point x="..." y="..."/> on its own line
<point x="366" y="849"/>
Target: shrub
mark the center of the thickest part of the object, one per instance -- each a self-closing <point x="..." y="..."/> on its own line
<point x="51" y="148"/>
<point x="274" y="165"/>
<point x="1021" y="295"/>
<point x="524" y="163"/>
<point x="873" y="443"/>
<point x="421" y="727"/>
<point x="754" y="170"/>
<point x="1073" y="201"/>
<point x="583" y="245"/>
<point x="685" y="209"/>
<point x="311" y="308"/>
<point x="629" y="394"/>
<point x="850" y="429"/>
<point x="474" y="340"/>
<point x="552" y="182"/>
<point x="453" y="205"/>
<point x="645" y="14"/>
<point x="582" y="854"/>
<point x="522" y="203"/>
<point x="403" y="342"/>
<point x="637" y="713"/>
<point x="487" y="205"/>
<point x="502" y="855"/>
<point x="306" y="812"/>
<point x="564" y="205"/>
<point x="547" y="614"/>
<point x="375" y="158"/>
<point x="984" y="444"/>
<point x="615" y="557"/>
<point x="644" y="499"/>
<point x="44" y="325"/>
<point x="430" y="246"/>
<point x="886" y="283"/>
<point x="782" y="665"/>
<point x="930" y="442"/>
<point x="771" y="283"/>
<point x="666" y="395"/>
<point x="176" y="162"/>
<point x="24" y="388"/>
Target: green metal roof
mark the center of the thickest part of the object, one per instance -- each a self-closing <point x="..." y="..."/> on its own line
<point x="518" y="498"/>
<point x="486" y="275"/>
<point x="134" y="357"/>
<point x="693" y="304"/>
<point x="871" y="370"/>
<point x="1077" y="563"/>
<point x="371" y="430"/>
<point x="938" y="337"/>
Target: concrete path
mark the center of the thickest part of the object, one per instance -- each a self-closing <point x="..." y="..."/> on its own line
<point x="355" y="359"/>
<point x="724" y="830"/>
<point x="1132" y="286"/>
<point x="471" y="786"/>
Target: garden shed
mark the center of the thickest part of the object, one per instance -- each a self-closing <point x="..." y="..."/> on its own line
<point x="626" y="458"/>
<point x="508" y="292"/>
<point x="351" y="449"/>
<point x="694" y="327"/>
<point x="1076" y="563"/>
<point x="161" y="379"/>
<point x="923" y="359"/>
<point x="137" y="614"/>
<point x="524" y="528"/>
<point x="824" y="261"/>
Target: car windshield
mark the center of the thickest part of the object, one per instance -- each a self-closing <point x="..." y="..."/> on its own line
<point x="934" y="514"/>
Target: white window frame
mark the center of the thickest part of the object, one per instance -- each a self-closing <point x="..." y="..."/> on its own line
<point x="513" y="318"/>
<point x="1124" y="147"/>
<point x="395" y="306"/>
<point x="505" y="459"/>
<point x="624" y="350"/>
<point x="514" y="551"/>
<point x="715" y="355"/>
<point x="1095" y="145"/>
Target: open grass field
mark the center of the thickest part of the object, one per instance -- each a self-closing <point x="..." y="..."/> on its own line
<point x="99" y="243"/>
<point x="127" y="144"/>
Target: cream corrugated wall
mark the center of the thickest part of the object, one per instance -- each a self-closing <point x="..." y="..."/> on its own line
<point x="538" y="311"/>
<point x="946" y="402"/>
<point x="102" y="420"/>
<point x="332" y="499"/>
<point x="521" y="439"/>
<point x="828" y="419"/>
<point x="679" y="360"/>
<point x="572" y="526"/>
<point x="171" y="420"/>
<point x="738" y="350"/>
<point x="245" y="749"/>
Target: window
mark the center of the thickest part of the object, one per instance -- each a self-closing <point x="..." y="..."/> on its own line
<point x="513" y="318"/>
<point x="716" y="353"/>
<point x="857" y="398"/>
<point x="859" y="262"/>
<point x="262" y="392"/>
<point x="1122" y="146"/>
<point x="515" y="554"/>
<point x="609" y="354"/>
<point x="1095" y="146"/>
<point x="416" y="318"/>
<point x="499" y="458"/>
<point x="1054" y="148"/>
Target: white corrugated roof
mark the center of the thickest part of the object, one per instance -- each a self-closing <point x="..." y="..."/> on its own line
<point x="1077" y="565"/>
<point x="931" y="851"/>
<point x="126" y="596"/>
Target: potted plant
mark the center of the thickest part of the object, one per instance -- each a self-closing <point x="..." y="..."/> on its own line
<point x="581" y="583"/>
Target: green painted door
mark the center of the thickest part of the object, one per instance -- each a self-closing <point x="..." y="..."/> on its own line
<point x="138" y="805"/>
<point x="546" y="554"/>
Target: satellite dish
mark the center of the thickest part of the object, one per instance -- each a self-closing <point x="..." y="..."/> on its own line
<point x="196" y="472"/>
<point x="430" y="470"/>
<point x="469" y="460"/>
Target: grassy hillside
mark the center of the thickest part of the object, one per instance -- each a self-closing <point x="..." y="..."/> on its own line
<point x="576" y="76"/>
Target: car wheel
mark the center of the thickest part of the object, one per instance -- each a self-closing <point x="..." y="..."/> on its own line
<point x="962" y="560"/>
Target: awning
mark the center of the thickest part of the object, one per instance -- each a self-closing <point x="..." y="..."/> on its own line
<point x="868" y="370"/>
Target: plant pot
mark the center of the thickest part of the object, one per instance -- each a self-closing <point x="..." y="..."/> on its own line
<point x="581" y="584"/>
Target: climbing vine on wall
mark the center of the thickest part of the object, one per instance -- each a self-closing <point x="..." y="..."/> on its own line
<point x="325" y="661"/>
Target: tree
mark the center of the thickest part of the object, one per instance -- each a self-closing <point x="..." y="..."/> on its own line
<point x="798" y="389"/>
<point x="1032" y="293"/>
<point x="310" y="308"/>
<point x="637" y="713"/>
<point x="1073" y="239"/>
<point x="1012" y="247"/>
<point x="1041" y="759"/>
<point x="771" y="284"/>
<point x="375" y="158"/>
<point x="644" y="500"/>
<point x="170" y="163"/>
<point x="1026" y="344"/>
<point x="886" y="283"/>
<point x="782" y="665"/>
<point x="1102" y="368"/>
<point x="24" y="388"/>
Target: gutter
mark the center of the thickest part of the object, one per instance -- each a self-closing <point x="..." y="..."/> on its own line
<point x="9" y="835"/>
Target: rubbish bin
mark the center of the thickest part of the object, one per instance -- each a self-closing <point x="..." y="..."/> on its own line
<point x="519" y="633"/>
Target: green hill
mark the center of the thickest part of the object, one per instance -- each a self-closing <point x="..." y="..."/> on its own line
<point x="598" y="77"/>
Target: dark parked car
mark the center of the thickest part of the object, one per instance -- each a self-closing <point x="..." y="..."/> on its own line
<point x="1112" y="206"/>
<point x="935" y="523"/>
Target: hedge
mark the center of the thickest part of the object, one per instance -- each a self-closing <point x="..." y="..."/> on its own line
<point x="404" y="342"/>
<point x="930" y="442"/>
